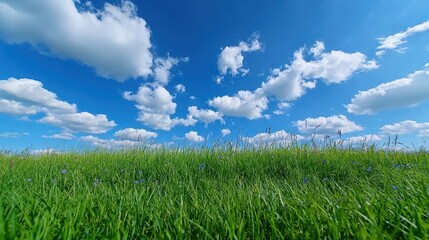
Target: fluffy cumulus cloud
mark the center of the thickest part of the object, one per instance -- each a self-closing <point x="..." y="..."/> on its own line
<point x="292" y="81"/>
<point x="133" y="134"/>
<point x="225" y="132"/>
<point x="156" y="107"/>
<point x="26" y="97"/>
<point x="231" y="58"/>
<point x="327" y="125"/>
<point x="407" y="127"/>
<point x="276" y="138"/>
<point x="243" y="104"/>
<point x="13" y="134"/>
<point x="180" y="88"/>
<point x="113" y="40"/>
<point x="393" y="42"/>
<point x="400" y="93"/>
<point x="204" y="115"/>
<point x="193" y="136"/>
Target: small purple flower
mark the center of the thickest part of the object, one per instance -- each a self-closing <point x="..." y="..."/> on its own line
<point x="395" y="187"/>
<point x="142" y="180"/>
<point x="395" y="165"/>
<point x="63" y="171"/>
<point x="368" y="169"/>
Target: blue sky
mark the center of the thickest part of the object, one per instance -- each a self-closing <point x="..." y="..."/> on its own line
<point x="122" y="73"/>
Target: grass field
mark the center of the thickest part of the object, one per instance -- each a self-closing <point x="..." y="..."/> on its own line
<point x="279" y="193"/>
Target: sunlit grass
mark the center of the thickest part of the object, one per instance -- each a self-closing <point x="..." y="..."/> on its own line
<point x="277" y="193"/>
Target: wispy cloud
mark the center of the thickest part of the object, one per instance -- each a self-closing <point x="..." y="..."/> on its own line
<point x="393" y="42"/>
<point x="327" y="125"/>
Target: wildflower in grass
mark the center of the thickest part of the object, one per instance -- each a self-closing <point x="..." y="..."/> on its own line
<point x="96" y="182"/>
<point x="325" y="179"/>
<point x="305" y="180"/>
<point x="395" y="165"/>
<point x="368" y="169"/>
<point x="202" y="166"/>
<point x="63" y="171"/>
<point x="395" y="187"/>
<point x="136" y="182"/>
<point x="323" y="161"/>
<point x="29" y="179"/>
<point x="139" y="172"/>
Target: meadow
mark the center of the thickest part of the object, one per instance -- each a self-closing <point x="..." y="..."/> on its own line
<point x="295" y="192"/>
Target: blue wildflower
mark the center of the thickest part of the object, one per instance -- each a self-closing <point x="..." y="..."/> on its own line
<point x="305" y="180"/>
<point x="29" y="179"/>
<point x="63" y="171"/>
<point x="136" y="182"/>
<point x="140" y="172"/>
<point x="395" y="187"/>
<point x="202" y="166"/>
<point x="323" y="161"/>
<point x="325" y="178"/>
<point x="96" y="182"/>
<point x="368" y="169"/>
<point x="395" y="165"/>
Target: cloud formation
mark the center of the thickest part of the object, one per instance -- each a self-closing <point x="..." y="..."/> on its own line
<point x="204" y="115"/>
<point x="407" y="127"/>
<point x="243" y="104"/>
<point x="281" y="138"/>
<point x="292" y="81"/>
<point x="134" y="134"/>
<point x="231" y="58"/>
<point x="113" y="40"/>
<point x="155" y="105"/>
<point x="327" y="125"/>
<point x="193" y="136"/>
<point x="26" y="97"/>
<point x="225" y="132"/>
<point x="394" y="41"/>
<point x="405" y="92"/>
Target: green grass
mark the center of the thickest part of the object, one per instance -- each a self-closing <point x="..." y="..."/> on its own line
<point x="292" y="193"/>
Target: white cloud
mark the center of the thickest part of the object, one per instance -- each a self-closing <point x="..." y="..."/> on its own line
<point x="28" y="97"/>
<point x="219" y="79"/>
<point x="192" y="97"/>
<point x="407" y="127"/>
<point x="394" y="41"/>
<point x="291" y="82"/>
<point x="281" y="138"/>
<point x="231" y="58"/>
<point x="156" y="107"/>
<point x="193" y="137"/>
<point x="13" y="134"/>
<point x="204" y="115"/>
<point x="180" y="88"/>
<point x="113" y="40"/>
<point x="133" y="134"/>
<point x="225" y="132"/>
<point x="327" y="125"/>
<point x="110" y="143"/>
<point x="243" y="104"/>
<point x="163" y="67"/>
<point x="63" y="135"/>
<point x="79" y="122"/>
<point x="43" y="151"/>
<point x="152" y="100"/>
<point x="366" y="139"/>
<point x="164" y="121"/>
<point x="404" y="92"/>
